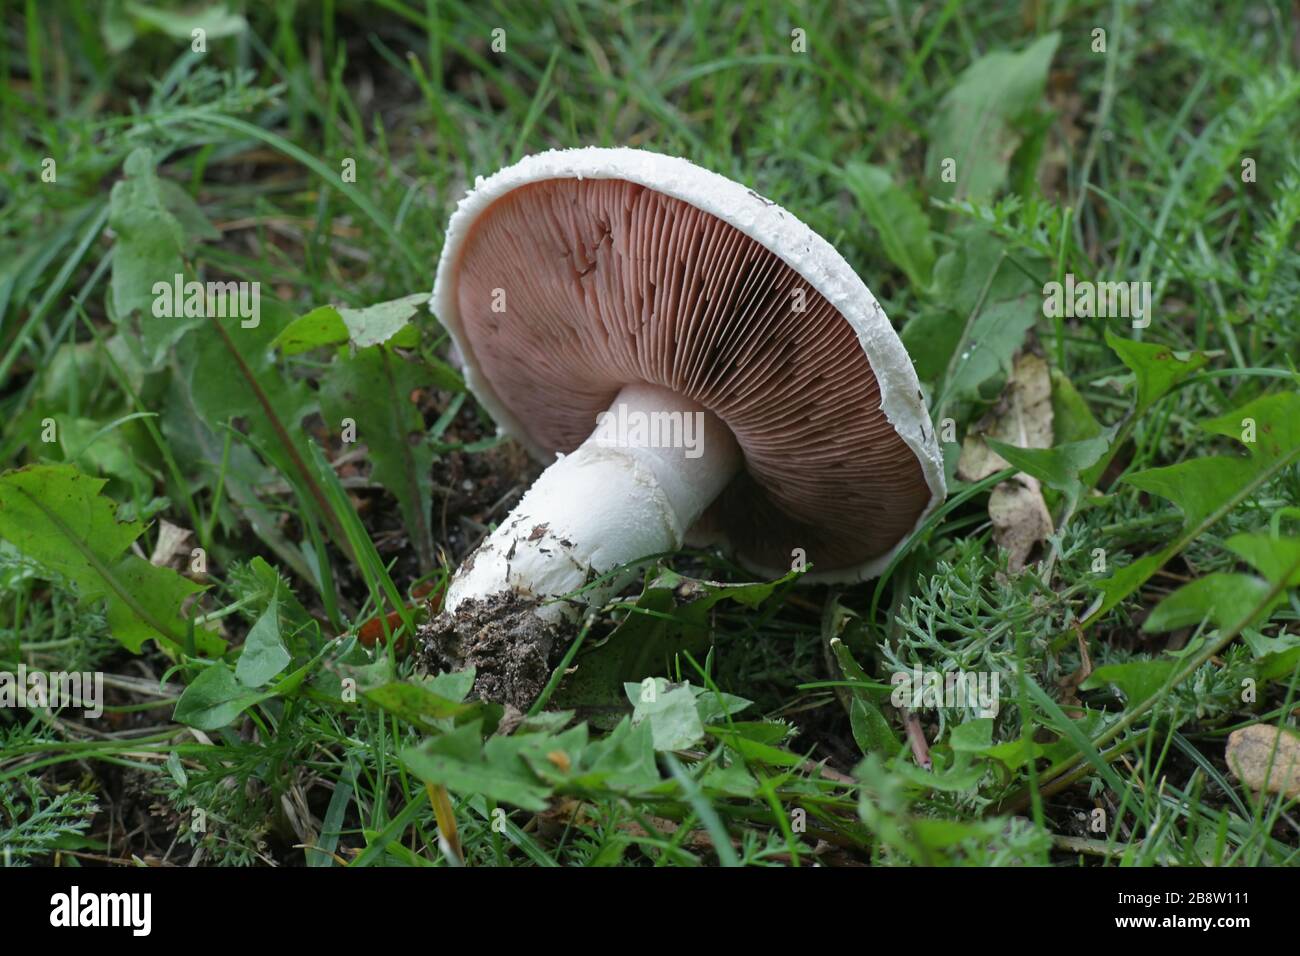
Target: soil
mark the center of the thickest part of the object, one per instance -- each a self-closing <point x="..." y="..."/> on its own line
<point x="502" y="638"/>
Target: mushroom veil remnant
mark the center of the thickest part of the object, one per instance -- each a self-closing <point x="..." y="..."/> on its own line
<point x="696" y="365"/>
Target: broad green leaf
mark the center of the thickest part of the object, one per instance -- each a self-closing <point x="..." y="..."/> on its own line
<point x="194" y="223"/>
<point x="1226" y="599"/>
<point x="373" y="388"/>
<point x="157" y="595"/>
<point x="232" y="377"/>
<point x="770" y="732"/>
<point x="1275" y="558"/>
<point x="320" y="327"/>
<point x="674" y="720"/>
<point x="754" y="751"/>
<point x="148" y="249"/>
<point x="1015" y="753"/>
<point x="963" y="776"/>
<point x="56" y="516"/>
<point x="1281" y="665"/>
<point x="1137" y="680"/>
<point x="732" y="780"/>
<point x="383" y="323"/>
<point x="622" y="762"/>
<point x="995" y="336"/>
<point x="1207" y="489"/>
<point x="1057" y="467"/>
<point x="214" y="699"/>
<point x="215" y="19"/>
<point x="698" y="596"/>
<point x="116" y="28"/>
<point x="291" y="682"/>
<point x="670" y="616"/>
<point x="1197" y="486"/>
<point x="714" y="705"/>
<point x="200" y="450"/>
<point x="177" y="770"/>
<point x="1269" y="426"/>
<point x="455" y="686"/>
<point x="871" y="731"/>
<point x="1156" y="368"/>
<point x="79" y="379"/>
<point x="76" y="498"/>
<point x="939" y="834"/>
<point x="1072" y="419"/>
<point x="273" y="586"/>
<point x="851" y="669"/>
<point x="217" y="696"/>
<point x="557" y="759"/>
<point x="974" y="735"/>
<point x="1262" y="646"/>
<point x="624" y="759"/>
<point x="978" y="123"/>
<point x="903" y="227"/>
<point x="264" y="654"/>
<point x="427" y="704"/>
<point x="1130" y="577"/>
<point x="416" y="704"/>
<point x="97" y="448"/>
<point x="1232" y="599"/>
<point x="983" y="308"/>
<point x="460" y="761"/>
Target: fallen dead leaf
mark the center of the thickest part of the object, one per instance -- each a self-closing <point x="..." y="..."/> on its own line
<point x="1023" y="417"/>
<point x="171" y="545"/>
<point x="1069" y="684"/>
<point x="1020" y="518"/>
<point x="1251" y="750"/>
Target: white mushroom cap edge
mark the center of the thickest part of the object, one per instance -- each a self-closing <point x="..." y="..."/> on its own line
<point x="763" y="221"/>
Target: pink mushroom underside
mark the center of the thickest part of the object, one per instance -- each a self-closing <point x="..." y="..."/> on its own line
<point x="570" y="289"/>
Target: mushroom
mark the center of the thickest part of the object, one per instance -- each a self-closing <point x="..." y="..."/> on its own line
<point x="699" y="366"/>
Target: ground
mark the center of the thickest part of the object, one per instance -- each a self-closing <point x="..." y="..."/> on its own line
<point x="1080" y="217"/>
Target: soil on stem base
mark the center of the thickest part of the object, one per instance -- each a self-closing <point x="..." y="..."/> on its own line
<point x="502" y="638"/>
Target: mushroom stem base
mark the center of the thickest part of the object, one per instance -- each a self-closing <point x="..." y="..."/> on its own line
<point x="503" y="639"/>
<point x="632" y="489"/>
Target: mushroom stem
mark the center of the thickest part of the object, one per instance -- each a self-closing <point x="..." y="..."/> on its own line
<point x="655" y="461"/>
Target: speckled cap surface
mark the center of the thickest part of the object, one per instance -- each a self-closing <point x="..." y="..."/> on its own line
<point x="575" y="272"/>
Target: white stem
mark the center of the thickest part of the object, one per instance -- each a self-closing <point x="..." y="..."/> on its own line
<point x="632" y="489"/>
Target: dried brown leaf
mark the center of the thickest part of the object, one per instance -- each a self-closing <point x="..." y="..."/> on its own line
<point x="1252" y="750"/>
<point x="1023" y="417"/>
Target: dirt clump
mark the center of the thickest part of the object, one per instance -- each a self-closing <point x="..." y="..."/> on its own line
<point x="502" y="638"/>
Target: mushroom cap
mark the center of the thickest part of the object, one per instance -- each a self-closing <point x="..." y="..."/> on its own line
<point x="613" y="266"/>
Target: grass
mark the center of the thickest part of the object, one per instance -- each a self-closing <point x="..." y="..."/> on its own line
<point x="319" y="150"/>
